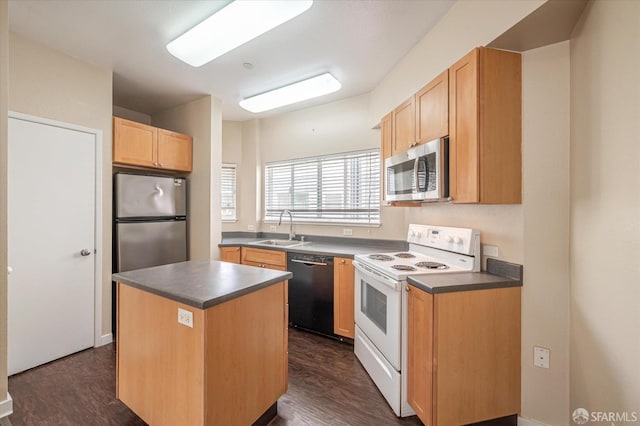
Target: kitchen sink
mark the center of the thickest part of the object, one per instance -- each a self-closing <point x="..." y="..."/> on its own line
<point x="278" y="243"/>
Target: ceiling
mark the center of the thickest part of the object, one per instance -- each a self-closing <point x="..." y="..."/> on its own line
<point x="358" y="41"/>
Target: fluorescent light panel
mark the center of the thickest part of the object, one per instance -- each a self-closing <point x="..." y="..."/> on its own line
<point x="317" y="86"/>
<point x="232" y="26"/>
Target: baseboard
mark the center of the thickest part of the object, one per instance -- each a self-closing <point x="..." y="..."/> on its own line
<point x="105" y="339"/>
<point x="6" y="406"/>
<point x="523" y="421"/>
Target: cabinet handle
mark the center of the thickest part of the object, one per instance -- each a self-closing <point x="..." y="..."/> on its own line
<point x="161" y="165"/>
<point x="342" y="261"/>
<point x="407" y="289"/>
<point x="155" y="163"/>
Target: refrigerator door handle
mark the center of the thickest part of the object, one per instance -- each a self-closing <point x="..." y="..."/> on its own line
<point x="159" y="191"/>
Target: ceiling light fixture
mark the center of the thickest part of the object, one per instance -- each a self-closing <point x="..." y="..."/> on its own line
<point x="232" y="26"/>
<point x="317" y="86"/>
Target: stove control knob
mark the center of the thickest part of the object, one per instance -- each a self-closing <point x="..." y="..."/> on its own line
<point x="457" y="240"/>
<point x="449" y="239"/>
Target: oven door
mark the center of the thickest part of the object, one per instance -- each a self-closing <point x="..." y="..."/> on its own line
<point x="378" y="311"/>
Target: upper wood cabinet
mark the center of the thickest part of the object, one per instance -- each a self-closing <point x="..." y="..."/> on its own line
<point x="386" y="137"/>
<point x="174" y="150"/>
<point x="432" y="109"/>
<point x="134" y="143"/>
<point x="138" y="144"/>
<point x="230" y="254"/>
<point x="404" y="127"/>
<point x="463" y="355"/>
<point x="485" y="127"/>
<point x="343" y="297"/>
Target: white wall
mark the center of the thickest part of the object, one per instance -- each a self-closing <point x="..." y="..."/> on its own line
<point x="46" y="83"/>
<point x="467" y="25"/>
<point x="545" y="300"/>
<point x="605" y="208"/>
<point x="132" y="115"/>
<point x="4" y="59"/>
<point x="202" y="119"/>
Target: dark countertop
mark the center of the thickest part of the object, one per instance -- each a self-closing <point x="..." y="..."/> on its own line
<point x="327" y="246"/>
<point x="500" y="274"/>
<point x="201" y="283"/>
<point x="461" y="281"/>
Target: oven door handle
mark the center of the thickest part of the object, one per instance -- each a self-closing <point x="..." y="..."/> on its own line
<point x="396" y="285"/>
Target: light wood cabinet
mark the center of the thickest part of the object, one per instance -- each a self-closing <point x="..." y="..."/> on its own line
<point x="386" y="137"/>
<point x="174" y="150"/>
<point x="343" y="298"/>
<point x="404" y="127"/>
<point x="264" y="258"/>
<point x="432" y="109"/>
<point x="230" y="254"/>
<point x="485" y="127"/>
<point x="463" y="359"/>
<point x="228" y="368"/>
<point x="137" y="144"/>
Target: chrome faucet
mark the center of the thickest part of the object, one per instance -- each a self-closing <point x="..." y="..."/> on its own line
<point x="292" y="234"/>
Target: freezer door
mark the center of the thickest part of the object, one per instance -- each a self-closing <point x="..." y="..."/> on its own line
<point x="147" y="244"/>
<point x="149" y="196"/>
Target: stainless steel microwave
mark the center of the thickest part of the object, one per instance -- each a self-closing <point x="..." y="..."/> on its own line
<point x="419" y="174"/>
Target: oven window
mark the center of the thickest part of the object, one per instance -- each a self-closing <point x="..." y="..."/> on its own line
<point x="374" y="305"/>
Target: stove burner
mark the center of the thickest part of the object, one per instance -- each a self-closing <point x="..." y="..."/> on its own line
<point x="405" y="255"/>
<point x="431" y="265"/>
<point x="381" y="257"/>
<point x="404" y="267"/>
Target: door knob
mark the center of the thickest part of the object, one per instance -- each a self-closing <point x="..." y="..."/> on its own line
<point x="85" y="252"/>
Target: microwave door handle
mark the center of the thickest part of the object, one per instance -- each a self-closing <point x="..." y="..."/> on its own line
<point x="416" y="170"/>
<point x="415" y="174"/>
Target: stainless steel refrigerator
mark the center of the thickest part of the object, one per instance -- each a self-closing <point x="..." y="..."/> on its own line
<point x="150" y="221"/>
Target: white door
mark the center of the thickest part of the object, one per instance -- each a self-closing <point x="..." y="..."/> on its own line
<point x="51" y="232"/>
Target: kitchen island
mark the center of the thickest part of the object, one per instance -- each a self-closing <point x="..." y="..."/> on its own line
<point x="202" y="343"/>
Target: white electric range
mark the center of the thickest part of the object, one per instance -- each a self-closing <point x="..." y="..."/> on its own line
<point x="381" y="301"/>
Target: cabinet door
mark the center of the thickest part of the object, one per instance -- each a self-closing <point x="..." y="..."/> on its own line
<point x="343" y="304"/>
<point x="404" y="127"/>
<point x="386" y="141"/>
<point x="420" y="353"/>
<point x="174" y="151"/>
<point x="268" y="258"/>
<point x="134" y="143"/>
<point x="230" y="254"/>
<point x="463" y="129"/>
<point x="432" y="109"/>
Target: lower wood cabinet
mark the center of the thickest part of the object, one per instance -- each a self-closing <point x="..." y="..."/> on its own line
<point x="343" y="301"/>
<point x="264" y="258"/>
<point x="227" y="369"/>
<point x="463" y="355"/>
<point x="230" y="254"/>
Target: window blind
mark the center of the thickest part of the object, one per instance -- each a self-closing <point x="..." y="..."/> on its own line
<point x="340" y="188"/>
<point x="228" y="192"/>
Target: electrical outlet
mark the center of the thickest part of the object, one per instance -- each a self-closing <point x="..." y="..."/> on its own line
<point x="347" y="232"/>
<point x="491" y="251"/>
<point x="273" y="228"/>
<point x="251" y="227"/>
<point x="541" y="357"/>
<point x="185" y="317"/>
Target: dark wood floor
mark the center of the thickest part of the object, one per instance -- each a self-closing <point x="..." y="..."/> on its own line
<point x="327" y="386"/>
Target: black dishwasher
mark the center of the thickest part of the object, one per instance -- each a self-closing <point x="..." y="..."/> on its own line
<point x="311" y="292"/>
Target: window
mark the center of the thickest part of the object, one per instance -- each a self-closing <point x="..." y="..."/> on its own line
<point x="228" y="192"/>
<point x="341" y="188"/>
